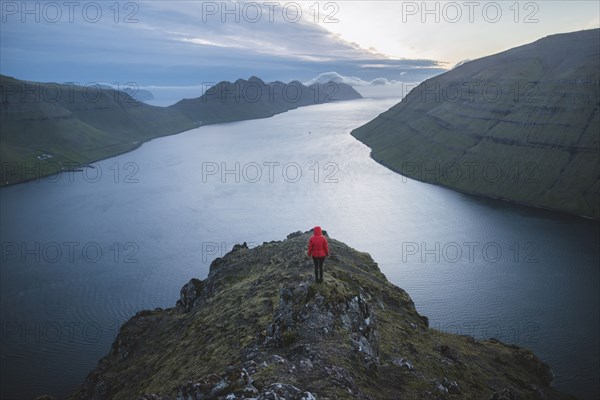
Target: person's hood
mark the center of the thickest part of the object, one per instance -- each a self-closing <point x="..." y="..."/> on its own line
<point x="318" y="231"/>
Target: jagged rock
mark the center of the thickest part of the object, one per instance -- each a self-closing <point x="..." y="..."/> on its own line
<point x="449" y="353"/>
<point x="153" y="396"/>
<point x="258" y="327"/>
<point x="403" y="362"/>
<point x="234" y="383"/>
<point x="450" y="386"/>
<point x="189" y="293"/>
<point x="238" y="246"/>
<point x="279" y="391"/>
<point x="294" y="234"/>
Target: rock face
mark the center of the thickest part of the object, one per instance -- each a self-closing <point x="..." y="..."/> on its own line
<point x="253" y="98"/>
<point x="522" y="125"/>
<point x="258" y="327"/>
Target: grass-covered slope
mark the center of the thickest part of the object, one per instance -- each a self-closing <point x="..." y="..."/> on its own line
<point x="48" y="126"/>
<point x="253" y="98"/>
<point x="522" y="125"/>
<point x="258" y="326"/>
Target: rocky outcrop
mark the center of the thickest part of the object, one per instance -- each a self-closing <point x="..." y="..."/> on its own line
<point x="522" y="125"/>
<point x="259" y="327"/>
<point x="253" y="98"/>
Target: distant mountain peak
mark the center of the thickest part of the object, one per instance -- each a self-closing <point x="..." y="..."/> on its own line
<point x="89" y="125"/>
<point x="256" y="79"/>
<point x="254" y="98"/>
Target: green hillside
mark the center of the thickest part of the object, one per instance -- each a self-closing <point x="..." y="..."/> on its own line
<point x="46" y="127"/>
<point x="49" y="127"/>
<point x="522" y="125"/>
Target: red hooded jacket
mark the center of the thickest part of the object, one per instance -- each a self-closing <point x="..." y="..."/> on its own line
<point x="317" y="245"/>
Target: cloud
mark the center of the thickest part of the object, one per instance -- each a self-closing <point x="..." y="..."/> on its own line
<point x="337" y="78"/>
<point x="382" y="81"/>
<point x="380" y="87"/>
<point x="176" y="44"/>
<point x="349" y="80"/>
<point x="458" y="64"/>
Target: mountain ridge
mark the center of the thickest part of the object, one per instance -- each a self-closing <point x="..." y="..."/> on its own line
<point x="521" y="125"/>
<point x="258" y="327"/>
<point x="48" y="128"/>
<point x="253" y="98"/>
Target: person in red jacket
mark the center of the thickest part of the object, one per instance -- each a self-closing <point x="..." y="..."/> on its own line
<point x="318" y="249"/>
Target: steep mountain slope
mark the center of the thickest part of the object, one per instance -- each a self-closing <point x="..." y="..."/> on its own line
<point x="48" y="126"/>
<point x="259" y="327"/>
<point x="522" y="125"/>
<point x="253" y="98"/>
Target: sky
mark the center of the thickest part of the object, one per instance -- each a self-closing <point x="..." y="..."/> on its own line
<point x="174" y="44"/>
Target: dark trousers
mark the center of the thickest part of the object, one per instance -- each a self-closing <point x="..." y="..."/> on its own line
<point x="318" y="267"/>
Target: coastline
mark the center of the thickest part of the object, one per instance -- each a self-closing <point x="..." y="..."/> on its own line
<point x="139" y="143"/>
<point x="87" y="163"/>
<point x="198" y="125"/>
<point x="487" y="196"/>
<point x="51" y="148"/>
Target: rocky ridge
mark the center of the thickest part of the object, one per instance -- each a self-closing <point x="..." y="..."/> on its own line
<point x="258" y="327"/>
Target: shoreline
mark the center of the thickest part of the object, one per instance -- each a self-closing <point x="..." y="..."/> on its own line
<point x="141" y="142"/>
<point x="88" y="163"/>
<point x="199" y="125"/>
<point x="488" y="196"/>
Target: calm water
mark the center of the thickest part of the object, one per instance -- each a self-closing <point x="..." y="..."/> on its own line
<point x="82" y="253"/>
